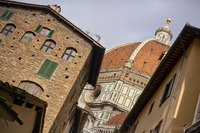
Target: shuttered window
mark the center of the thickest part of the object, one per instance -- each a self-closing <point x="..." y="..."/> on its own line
<point x="44" y="31"/>
<point x="47" y="69"/>
<point x="6" y="15"/>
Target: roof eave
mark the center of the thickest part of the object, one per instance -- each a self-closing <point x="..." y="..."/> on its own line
<point x="162" y="71"/>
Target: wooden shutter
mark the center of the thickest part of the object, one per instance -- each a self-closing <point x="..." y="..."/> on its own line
<point x="9" y="15"/>
<point x="38" y="29"/>
<point x="50" y="33"/>
<point x="51" y="68"/>
<point x="6" y="15"/>
<point x="47" y="69"/>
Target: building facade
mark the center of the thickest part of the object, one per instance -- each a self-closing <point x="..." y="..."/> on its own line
<point x="46" y="55"/>
<point x="20" y="111"/>
<point x="125" y="71"/>
<point x="170" y="101"/>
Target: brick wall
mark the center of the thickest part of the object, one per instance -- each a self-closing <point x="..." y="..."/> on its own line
<point x="22" y="61"/>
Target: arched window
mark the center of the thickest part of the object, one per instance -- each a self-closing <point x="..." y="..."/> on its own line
<point x="48" y="46"/>
<point x="31" y="87"/>
<point x="8" y="29"/>
<point x="27" y="37"/>
<point x="69" y="54"/>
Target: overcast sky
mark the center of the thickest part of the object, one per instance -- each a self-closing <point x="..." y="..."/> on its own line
<point x="124" y="21"/>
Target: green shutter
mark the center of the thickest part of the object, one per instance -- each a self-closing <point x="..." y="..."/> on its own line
<point x="50" y="33"/>
<point x="47" y="69"/>
<point x="9" y="15"/>
<point x="0" y="41"/>
<point x="38" y="29"/>
<point x="51" y="68"/>
<point x="6" y="15"/>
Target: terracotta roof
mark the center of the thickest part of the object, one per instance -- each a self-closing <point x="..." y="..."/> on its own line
<point x="183" y="41"/>
<point x="117" y="120"/>
<point x="146" y="60"/>
<point x="117" y="57"/>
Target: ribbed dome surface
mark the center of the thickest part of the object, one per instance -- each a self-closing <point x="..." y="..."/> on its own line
<point x="146" y="60"/>
<point x="117" y="57"/>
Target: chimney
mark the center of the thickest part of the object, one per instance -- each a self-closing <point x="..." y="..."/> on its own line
<point x="56" y="8"/>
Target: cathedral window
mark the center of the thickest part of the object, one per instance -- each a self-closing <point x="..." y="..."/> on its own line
<point x="6" y="15"/>
<point x="121" y="100"/>
<point x="127" y="102"/>
<point x="167" y="90"/>
<point x="27" y="37"/>
<point x="8" y="29"/>
<point x="31" y="87"/>
<point x="69" y="54"/>
<point x="106" y="115"/>
<point x="114" y="97"/>
<point x="47" y="69"/>
<point x="44" y="31"/>
<point x="48" y="46"/>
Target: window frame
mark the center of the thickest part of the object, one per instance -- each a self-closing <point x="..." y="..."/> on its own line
<point x="30" y="39"/>
<point x="36" y="91"/>
<point x="8" y="31"/>
<point x="70" y="54"/>
<point x="48" y="46"/>
<point x="39" y="29"/>
<point x="168" y="90"/>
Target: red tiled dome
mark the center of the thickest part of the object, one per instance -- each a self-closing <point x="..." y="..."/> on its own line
<point x="117" y="57"/>
<point x="146" y="60"/>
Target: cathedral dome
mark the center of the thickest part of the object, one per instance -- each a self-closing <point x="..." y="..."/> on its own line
<point x="139" y="56"/>
<point x="118" y="56"/>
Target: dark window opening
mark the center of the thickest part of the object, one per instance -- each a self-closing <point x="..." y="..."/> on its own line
<point x="162" y="55"/>
<point x="157" y="128"/>
<point x="168" y="90"/>
<point x="151" y="108"/>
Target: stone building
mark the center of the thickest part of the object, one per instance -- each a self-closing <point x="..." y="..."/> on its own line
<point x="170" y="103"/>
<point x="46" y="55"/>
<point x="125" y="71"/>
